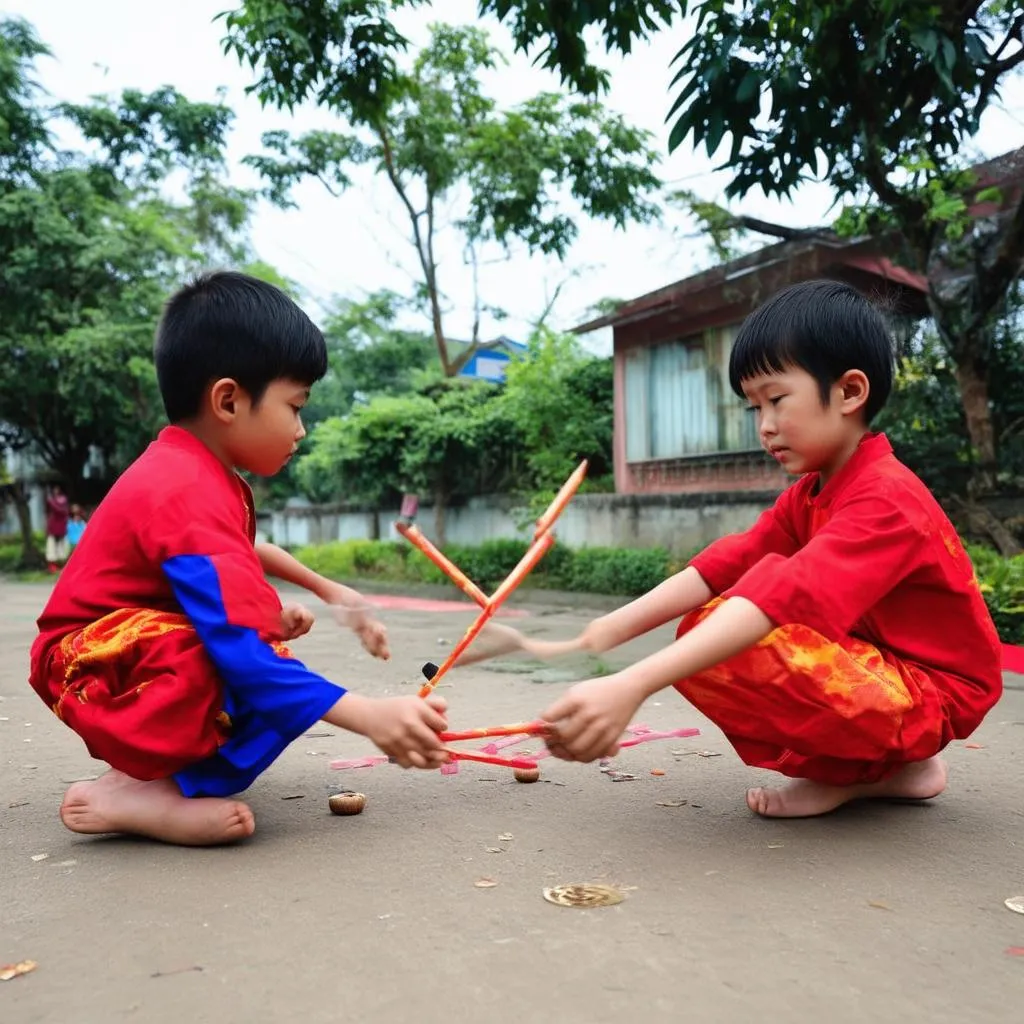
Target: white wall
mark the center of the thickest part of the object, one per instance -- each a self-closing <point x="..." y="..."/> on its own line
<point x="680" y="522"/>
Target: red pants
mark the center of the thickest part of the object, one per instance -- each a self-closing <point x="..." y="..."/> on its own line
<point x="138" y="687"/>
<point x="838" y="712"/>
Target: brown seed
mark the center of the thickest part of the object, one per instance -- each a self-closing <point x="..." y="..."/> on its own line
<point x="346" y="803"/>
<point x="526" y="774"/>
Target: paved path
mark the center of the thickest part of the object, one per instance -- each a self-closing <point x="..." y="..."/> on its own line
<point x="880" y="913"/>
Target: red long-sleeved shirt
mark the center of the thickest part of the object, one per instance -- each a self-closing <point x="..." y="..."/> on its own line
<point x="871" y="555"/>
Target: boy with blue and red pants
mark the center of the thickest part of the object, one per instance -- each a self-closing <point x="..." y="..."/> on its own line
<point x="162" y="643"/>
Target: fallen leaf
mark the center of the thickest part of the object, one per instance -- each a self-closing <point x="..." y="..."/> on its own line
<point x="879" y="905"/>
<point x="708" y="753"/>
<point x="485" y="883"/>
<point x="584" y="895"/>
<point x="657" y="771"/>
<point x="39" y="856"/>
<point x="319" y="735"/>
<point x="495" y="849"/>
<point x="10" y="971"/>
<point x="294" y="796"/>
<point x="19" y="803"/>
<point x="698" y="806"/>
<point x="776" y="846"/>
<point x="505" y="837"/>
<point x="1015" y="950"/>
<point x="670" y="803"/>
<point x="974" y="746"/>
<point x="1016" y="904"/>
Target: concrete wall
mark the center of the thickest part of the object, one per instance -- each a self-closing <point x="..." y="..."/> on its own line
<point x="679" y="522"/>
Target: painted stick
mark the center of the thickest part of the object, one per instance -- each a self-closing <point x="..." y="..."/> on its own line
<point x="527" y="563"/>
<point x="561" y="499"/>
<point x="502" y="762"/>
<point x="525" y="728"/>
<point x="536" y="552"/>
<point x="415" y="536"/>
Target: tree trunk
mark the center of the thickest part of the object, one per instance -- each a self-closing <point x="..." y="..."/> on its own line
<point x="972" y="380"/>
<point x="31" y="556"/>
<point x="440" y="515"/>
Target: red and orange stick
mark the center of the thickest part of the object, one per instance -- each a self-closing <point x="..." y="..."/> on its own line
<point x="415" y="536"/>
<point x="503" y="762"/>
<point x="561" y="499"/>
<point x="536" y="728"/>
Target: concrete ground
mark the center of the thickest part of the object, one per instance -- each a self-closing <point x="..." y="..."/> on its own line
<point x="880" y="912"/>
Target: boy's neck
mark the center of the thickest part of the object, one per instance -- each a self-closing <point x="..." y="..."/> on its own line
<point x="843" y="454"/>
<point x="210" y="438"/>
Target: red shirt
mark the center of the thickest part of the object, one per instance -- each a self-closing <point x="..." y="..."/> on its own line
<point x="871" y="555"/>
<point x="175" y="499"/>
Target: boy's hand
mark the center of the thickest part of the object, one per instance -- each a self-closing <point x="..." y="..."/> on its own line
<point x="373" y="635"/>
<point x="589" y="720"/>
<point x="406" y="729"/>
<point x="296" y="621"/>
<point x="371" y="632"/>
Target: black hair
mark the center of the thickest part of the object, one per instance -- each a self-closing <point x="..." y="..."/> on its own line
<point x="823" y="327"/>
<point x="227" y="324"/>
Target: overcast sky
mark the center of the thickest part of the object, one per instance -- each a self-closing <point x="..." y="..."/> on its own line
<point x="350" y="245"/>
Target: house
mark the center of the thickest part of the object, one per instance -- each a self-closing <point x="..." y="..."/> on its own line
<point x="678" y="426"/>
<point x="490" y="360"/>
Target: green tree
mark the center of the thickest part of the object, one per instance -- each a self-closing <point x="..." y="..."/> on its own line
<point x="451" y="443"/>
<point x="430" y="130"/>
<point x="880" y="99"/>
<point x="561" y="403"/>
<point x="370" y="355"/>
<point x="88" y="249"/>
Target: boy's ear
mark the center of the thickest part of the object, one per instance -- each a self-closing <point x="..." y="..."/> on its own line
<point x="854" y="389"/>
<point x="224" y="397"/>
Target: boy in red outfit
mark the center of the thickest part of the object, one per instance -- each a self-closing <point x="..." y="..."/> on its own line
<point x="842" y="640"/>
<point x="162" y="643"/>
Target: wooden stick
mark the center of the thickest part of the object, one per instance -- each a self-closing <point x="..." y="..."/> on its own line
<point x="503" y="762"/>
<point x="536" y="552"/>
<point x="537" y="728"/>
<point x="561" y="499"/>
<point x="415" y="536"/>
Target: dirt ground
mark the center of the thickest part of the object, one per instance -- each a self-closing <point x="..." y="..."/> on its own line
<point x="880" y="912"/>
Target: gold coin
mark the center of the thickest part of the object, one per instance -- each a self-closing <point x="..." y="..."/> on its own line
<point x="587" y="894"/>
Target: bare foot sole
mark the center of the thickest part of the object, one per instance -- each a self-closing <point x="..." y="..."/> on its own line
<point x="117" y="803"/>
<point x="802" y="798"/>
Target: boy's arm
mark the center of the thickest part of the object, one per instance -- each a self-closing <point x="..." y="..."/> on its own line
<point x="278" y="563"/>
<point x="674" y="597"/>
<point x="589" y="720"/>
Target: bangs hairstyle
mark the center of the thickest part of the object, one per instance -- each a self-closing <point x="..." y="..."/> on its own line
<point x="227" y="324"/>
<point x="823" y="327"/>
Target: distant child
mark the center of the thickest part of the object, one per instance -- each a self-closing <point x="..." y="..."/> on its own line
<point x="842" y="640"/>
<point x="162" y="644"/>
<point x="76" y="526"/>
<point x="56" y="528"/>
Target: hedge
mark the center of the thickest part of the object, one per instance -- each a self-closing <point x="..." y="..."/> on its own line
<point x="624" y="571"/>
<point x="597" y="570"/>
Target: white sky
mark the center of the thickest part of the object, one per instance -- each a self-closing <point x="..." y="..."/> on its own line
<point x="356" y="243"/>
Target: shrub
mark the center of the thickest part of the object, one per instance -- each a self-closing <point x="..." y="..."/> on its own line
<point x="1002" y="582"/>
<point x="625" y="571"/>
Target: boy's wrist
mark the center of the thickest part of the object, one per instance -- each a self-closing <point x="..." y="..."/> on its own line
<point x="353" y="713"/>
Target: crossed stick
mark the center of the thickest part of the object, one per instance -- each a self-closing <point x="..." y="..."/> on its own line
<point x="543" y="539"/>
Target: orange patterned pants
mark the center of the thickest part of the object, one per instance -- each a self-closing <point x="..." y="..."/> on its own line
<point x="838" y="712"/>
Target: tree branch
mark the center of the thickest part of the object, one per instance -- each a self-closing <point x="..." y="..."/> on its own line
<point x="995" y="281"/>
<point x="423" y="249"/>
<point x="764" y="227"/>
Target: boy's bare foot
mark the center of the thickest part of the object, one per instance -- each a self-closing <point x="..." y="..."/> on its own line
<point x="802" y="798"/>
<point x="115" y="802"/>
